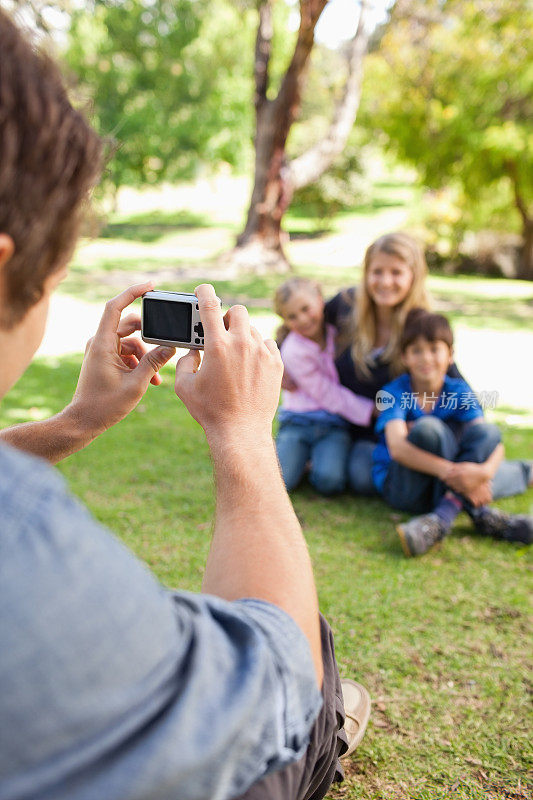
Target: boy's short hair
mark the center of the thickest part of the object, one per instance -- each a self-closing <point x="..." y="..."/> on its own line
<point x="50" y="158"/>
<point x="422" y="324"/>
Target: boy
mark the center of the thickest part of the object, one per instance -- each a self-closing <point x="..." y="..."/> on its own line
<point x="435" y="452"/>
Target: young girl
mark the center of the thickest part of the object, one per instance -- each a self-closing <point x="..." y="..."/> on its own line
<point x="315" y="415"/>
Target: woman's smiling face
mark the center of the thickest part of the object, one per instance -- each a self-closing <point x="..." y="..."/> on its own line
<point x="388" y="280"/>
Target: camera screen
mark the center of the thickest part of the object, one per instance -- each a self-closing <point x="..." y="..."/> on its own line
<point x="165" y="319"/>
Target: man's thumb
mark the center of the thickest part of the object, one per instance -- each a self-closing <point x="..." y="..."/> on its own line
<point x="152" y="361"/>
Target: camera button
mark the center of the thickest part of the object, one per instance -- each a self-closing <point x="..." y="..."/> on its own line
<point x="199" y="329"/>
<point x="197" y="341"/>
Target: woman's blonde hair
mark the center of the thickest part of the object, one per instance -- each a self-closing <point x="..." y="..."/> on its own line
<point x="364" y="319"/>
<point x="283" y="294"/>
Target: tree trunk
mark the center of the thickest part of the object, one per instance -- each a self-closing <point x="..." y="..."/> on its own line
<point x="526" y="260"/>
<point x="259" y="248"/>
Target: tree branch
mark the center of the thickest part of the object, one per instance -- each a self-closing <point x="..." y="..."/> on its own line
<point x="263" y="49"/>
<point x="520" y="202"/>
<point x="308" y="167"/>
<point x="286" y="104"/>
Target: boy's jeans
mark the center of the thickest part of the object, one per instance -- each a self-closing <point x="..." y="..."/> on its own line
<point x="419" y="493"/>
<point x="326" y="446"/>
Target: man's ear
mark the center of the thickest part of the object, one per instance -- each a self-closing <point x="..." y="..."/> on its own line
<point x="452" y="355"/>
<point x="7" y="248"/>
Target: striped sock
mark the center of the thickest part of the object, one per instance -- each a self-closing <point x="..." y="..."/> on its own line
<point x="448" y="508"/>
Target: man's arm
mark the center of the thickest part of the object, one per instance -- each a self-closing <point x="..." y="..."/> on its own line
<point x="115" y="374"/>
<point x="258" y="549"/>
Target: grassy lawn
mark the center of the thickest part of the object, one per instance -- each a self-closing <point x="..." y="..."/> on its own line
<point x="442" y="642"/>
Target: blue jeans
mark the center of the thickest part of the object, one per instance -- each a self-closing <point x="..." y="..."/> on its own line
<point x="325" y="446"/>
<point x="511" y="478"/>
<point x="360" y="467"/>
<point x="417" y="492"/>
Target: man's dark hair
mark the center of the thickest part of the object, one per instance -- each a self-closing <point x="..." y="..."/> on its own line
<point x="50" y="158"/>
<point x="422" y="324"/>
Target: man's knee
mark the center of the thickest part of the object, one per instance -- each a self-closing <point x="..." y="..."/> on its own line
<point x="428" y="433"/>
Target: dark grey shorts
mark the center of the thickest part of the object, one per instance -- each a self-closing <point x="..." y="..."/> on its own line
<point x="311" y="776"/>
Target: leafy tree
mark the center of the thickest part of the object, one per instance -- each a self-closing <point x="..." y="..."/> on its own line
<point x="459" y="102"/>
<point x="163" y="79"/>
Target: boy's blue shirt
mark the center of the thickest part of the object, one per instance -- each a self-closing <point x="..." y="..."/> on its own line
<point x="455" y="403"/>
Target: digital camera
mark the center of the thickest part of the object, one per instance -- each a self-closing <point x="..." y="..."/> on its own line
<point x="172" y="318"/>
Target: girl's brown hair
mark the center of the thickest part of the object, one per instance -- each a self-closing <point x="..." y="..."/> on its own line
<point x="364" y="320"/>
<point x="50" y="158"/>
<point x="284" y="293"/>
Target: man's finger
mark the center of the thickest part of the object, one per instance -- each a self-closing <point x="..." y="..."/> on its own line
<point x="188" y="364"/>
<point x="210" y="313"/>
<point x="153" y="360"/>
<point x="271" y="345"/>
<point x="129" y="324"/>
<point x="133" y="345"/>
<point x="110" y="321"/>
<point x="237" y="320"/>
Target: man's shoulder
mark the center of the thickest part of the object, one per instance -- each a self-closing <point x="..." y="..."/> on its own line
<point x="24" y="479"/>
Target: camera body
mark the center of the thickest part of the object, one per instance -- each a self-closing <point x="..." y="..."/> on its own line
<point x="172" y="318"/>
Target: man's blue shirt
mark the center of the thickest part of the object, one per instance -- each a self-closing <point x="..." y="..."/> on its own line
<point x="115" y="688"/>
<point x="456" y="402"/>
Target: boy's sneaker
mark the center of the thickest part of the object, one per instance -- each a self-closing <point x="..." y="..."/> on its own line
<point x="510" y="527"/>
<point x="420" y="534"/>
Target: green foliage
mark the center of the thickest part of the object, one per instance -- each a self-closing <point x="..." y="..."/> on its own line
<point x="165" y="82"/>
<point x="459" y="101"/>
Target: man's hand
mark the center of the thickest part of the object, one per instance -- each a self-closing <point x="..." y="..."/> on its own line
<point x="236" y="389"/>
<point x="117" y="367"/>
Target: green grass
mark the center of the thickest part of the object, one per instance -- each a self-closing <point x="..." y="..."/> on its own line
<point x="442" y="642"/>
